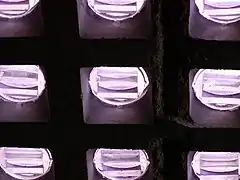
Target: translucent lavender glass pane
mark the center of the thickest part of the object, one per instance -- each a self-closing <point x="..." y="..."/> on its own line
<point x="118" y="164"/>
<point x="218" y="89"/>
<point x="16" y="8"/>
<point x="218" y="165"/>
<point x="224" y="12"/>
<point x="21" y="83"/>
<point x="25" y="163"/>
<point x="118" y="85"/>
<point x="116" y="10"/>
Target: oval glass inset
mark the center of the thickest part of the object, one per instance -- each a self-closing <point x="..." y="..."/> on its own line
<point x="116" y="10"/>
<point x="21" y="83"/>
<point x="216" y="165"/>
<point x="118" y="85"/>
<point x="218" y="89"/>
<point x="224" y="12"/>
<point x="16" y="8"/>
<point x="25" y="163"/>
<point x="117" y="164"/>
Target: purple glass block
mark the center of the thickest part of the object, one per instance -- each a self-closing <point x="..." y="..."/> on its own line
<point x="21" y="83"/>
<point x="25" y="163"/>
<point x="16" y="8"/>
<point x="218" y="89"/>
<point x="216" y="165"/>
<point x="223" y="12"/>
<point x="116" y="10"/>
<point x="118" y="85"/>
<point x="118" y="164"/>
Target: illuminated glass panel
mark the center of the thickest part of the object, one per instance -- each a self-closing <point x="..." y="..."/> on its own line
<point x="16" y="8"/>
<point x="218" y="89"/>
<point x="118" y="164"/>
<point x="116" y="10"/>
<point x="216" y="165"/>
<point x="118" y="85"/>
<point x="220" y="11"/>
<point x="25" y="163"/>
<point x="21" y="83"/>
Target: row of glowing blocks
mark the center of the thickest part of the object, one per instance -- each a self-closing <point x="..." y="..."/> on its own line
<point x="108" y="9"/>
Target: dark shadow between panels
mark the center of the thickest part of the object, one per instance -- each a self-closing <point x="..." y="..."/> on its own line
<point x="203" y="115"/>
<point x="203" y="28"/>
<point x="19" y="104"/>
<point x="27" y="26"/>
<point x="97" y="112"/>
<point x="93" y="26"/>
<point x="93" y="174"/>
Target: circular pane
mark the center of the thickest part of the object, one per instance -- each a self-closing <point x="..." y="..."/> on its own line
<point x="118" y="164"/>
<point x="118" y="85"/>
<point x="223" y="12"/>
<point x="21" y="83"/>
<point x="16" y="8"/>
<point x="25" y="163"/>
<point x="116" y="10"/>
<point x="217" y="89"/>
<point x="215" y="163"/>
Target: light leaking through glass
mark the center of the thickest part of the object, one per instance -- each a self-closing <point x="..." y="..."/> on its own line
<point x="16" y="8"/>
<point x="116" y="10"/>
<point x="216" y="165"/>
<point x="21" y="83"/>
<point x="119" y="164"/>
<point x="118" y="85"/>
<point x="220" y="11"/>
<point x="218" y="89"/>
<point x="25" y="163"/>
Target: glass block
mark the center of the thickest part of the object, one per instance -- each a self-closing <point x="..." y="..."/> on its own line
<point x="20" y="18"/>
<point x="118" y="164"/>
<point x="116" y="10"/>
<point x="25" y="163"/>
<point x="16" y="8"/>
<point x="216" y="165"/>
<point x="215" y="20"/>
<point x="218" y="89"/>
<point x="224" y="12"/>
<point x="21" y="83"/>
<point x="118" y="85"/>
<point x="114" y="19"/>
<point x="117" y="95"/>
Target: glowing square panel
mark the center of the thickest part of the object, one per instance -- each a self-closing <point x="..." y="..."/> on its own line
<point x="213" y="165"/>
<point x="26" y="163"/>
<point x="115" y="90"/>
<point x="23" y="94"/>
<point x="214" y="96"/>
<point x="114" y="19"/>
<point x="214" y="19"/>
<point x="114" y="164"/>
<point x="20" y="18"/>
